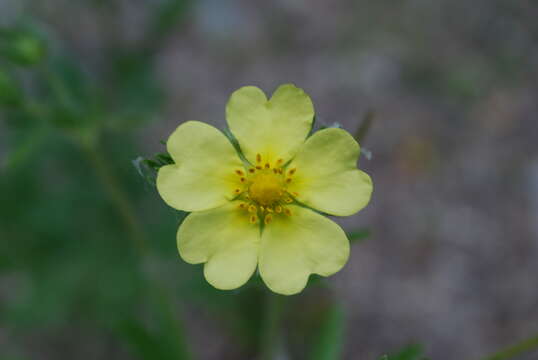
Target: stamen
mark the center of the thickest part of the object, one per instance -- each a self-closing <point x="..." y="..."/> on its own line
<point x="239" y="172"/>
<point x="268" y="219"/>
<point x="251" y="170"/>
<point x="242" y="179"/>
<point x="279" y="162"/>
<point x="258" y="167"/>
<point x="252" y="209"/>
<point x="288" y="200"/>
<point x="292" y="171"/>
<point x="275" y="171"/>
<point x="278" y="209"/>
<point x="267" y="165"/>
<point x="269" y="209"/>
<point x="237" y="191"/>
<point x="258" y="158"/>
<point x="288" y="180"/>
<point x="242" y="205"/>
<point x="253" y="219"/>
<point x="262" y="209"/>
<point x="287" y="211"/>
<point x="296" y="194"/>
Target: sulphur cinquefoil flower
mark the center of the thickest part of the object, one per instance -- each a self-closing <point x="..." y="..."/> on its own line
<point x="261" y="209"/>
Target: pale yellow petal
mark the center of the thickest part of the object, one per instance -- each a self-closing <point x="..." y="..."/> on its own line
<point x="293" y="247"/>
<point x="326" y="176"/>
<point x="274" y="128"/>
<point x="204" y="174"/>
<point x="225" y="240"/>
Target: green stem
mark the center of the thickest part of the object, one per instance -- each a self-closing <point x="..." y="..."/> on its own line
<point x="118" y="197"/>
<point x="515" y="350"/>
<point x="270" y="334"/>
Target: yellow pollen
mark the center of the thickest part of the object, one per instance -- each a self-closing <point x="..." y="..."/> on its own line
<point x="268" y="219"/>
<point x="266" y="188"/>
<point x="253" y="219"/>
<point x="252" y="209"/>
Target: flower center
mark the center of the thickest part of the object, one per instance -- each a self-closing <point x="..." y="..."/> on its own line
<point x="262" y="191"/>
<point x="266" y="188"/>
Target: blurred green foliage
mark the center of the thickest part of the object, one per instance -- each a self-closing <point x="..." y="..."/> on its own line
<point x="410" y="352"/>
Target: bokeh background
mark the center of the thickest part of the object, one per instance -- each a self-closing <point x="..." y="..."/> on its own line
<point x="446" y="255"/>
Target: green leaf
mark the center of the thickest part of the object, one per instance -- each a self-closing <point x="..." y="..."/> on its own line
<point x="358" y="235"/>
<point x="21" y="46"/>
<point x="141" y="341"/>
<point x="10" y="92"/>
<point x="365" y="126"/>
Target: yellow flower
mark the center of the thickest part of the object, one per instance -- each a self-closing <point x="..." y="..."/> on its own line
<point x="256" y="211"/>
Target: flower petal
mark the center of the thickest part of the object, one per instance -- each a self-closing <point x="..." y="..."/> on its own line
<point x="275" y="128"/>
<point x="224" y="239"/>
<point x="326" y="177"/>
<point x="203" y="176"/>
<point x="294" y="247"/>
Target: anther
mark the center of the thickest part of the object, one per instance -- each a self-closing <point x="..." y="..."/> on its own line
<point x="252" y="209"/>
<point x="275" y="171"/>
<point x="280" y="161"/>
<point x="239" y="172"/>
<point x="253" y="219"/>
<point x="267" y="165"/>
<point x="268" y="219"/>
<point x="251" y="170"/>
<point x="262" y="208"/>
<point x="242" y="179"/>
<point x="296" y="194"/>
<point x="288" y="200"/>
<point x="237" y="191"/>
<point x="292" y="171"/>
<point x="258" y="158"/>
<point x="278" y="209"/>
<point x="288" y="180"/>
<point x="269" y="209"/>
<point x="242" y="205"/>
<point x="287" y="212"/>
<point x="258" y="167"/>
